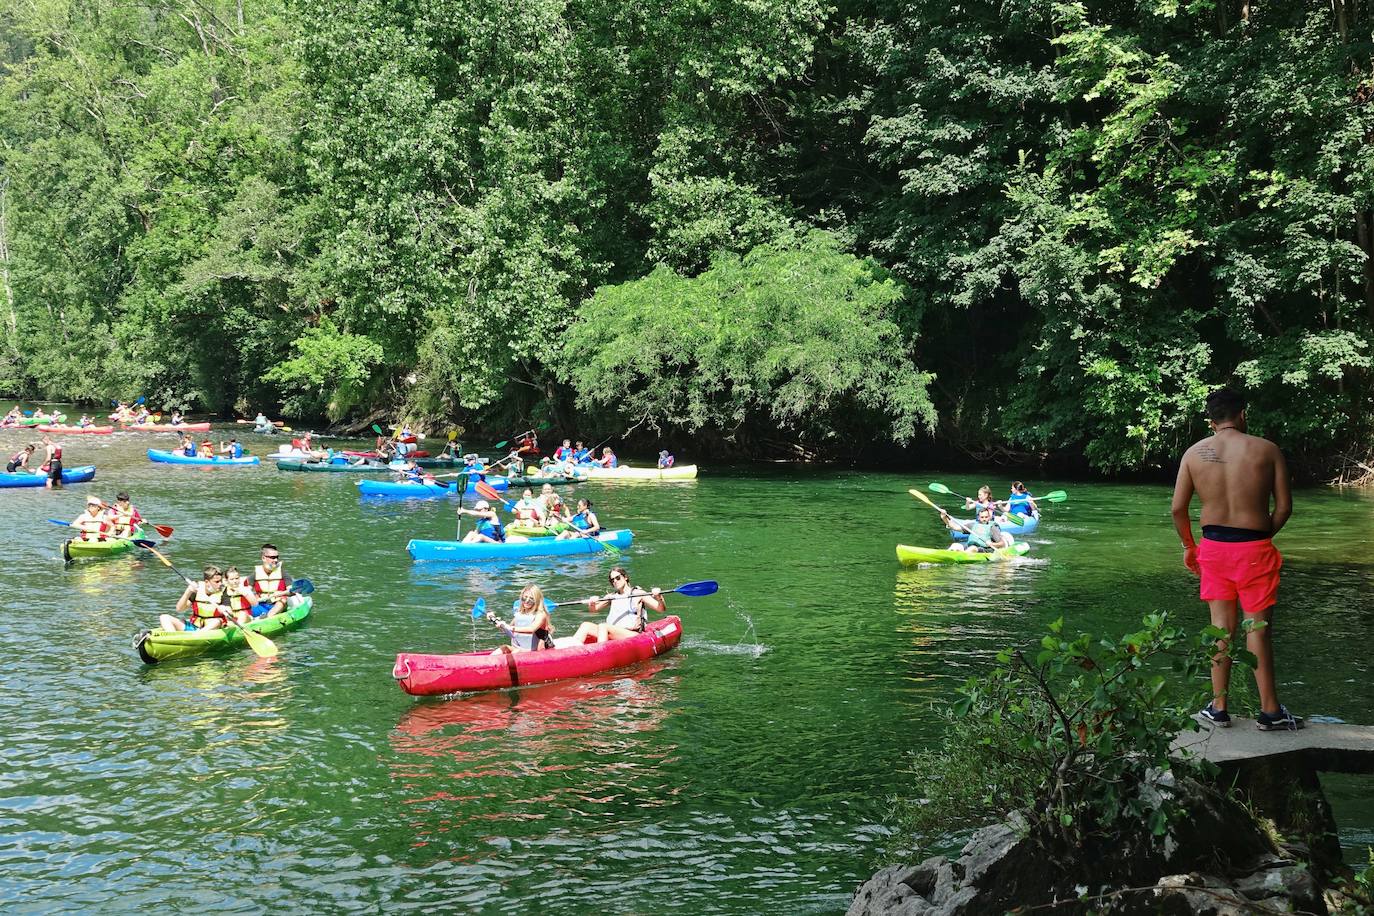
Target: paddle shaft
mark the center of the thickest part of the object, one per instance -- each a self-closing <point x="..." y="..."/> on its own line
<point x="637" y="594"/>
<point x="973" y="538"/>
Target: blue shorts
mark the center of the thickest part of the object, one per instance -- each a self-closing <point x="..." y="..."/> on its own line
<point x="260" y="610"/>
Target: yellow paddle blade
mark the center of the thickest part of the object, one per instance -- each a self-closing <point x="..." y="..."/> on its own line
<point x="925" y="499"/>
<point x="264" y="647"/>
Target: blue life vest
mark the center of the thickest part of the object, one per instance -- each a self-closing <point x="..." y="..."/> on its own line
<point x="1019" y="504"/>
<point x="190" y="450"/>
<point x="494" y="530"/>
<point x="236" y="451"/>
<point x="581" y="522"/>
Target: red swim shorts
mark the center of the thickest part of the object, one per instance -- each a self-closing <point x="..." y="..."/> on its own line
<point x="1248" y="570"/>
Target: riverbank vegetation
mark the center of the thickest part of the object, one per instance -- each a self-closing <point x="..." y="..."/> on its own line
<point x="1022" y="228"/>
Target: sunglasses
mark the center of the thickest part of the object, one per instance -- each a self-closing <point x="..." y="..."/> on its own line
<point x="617" y="578"/>
<point x="271" y="556"/>
<point x="527" y="599"/>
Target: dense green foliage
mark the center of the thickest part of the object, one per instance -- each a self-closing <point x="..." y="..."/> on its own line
<point x="1083" y="214"/>
<point x="1074" y="738"/>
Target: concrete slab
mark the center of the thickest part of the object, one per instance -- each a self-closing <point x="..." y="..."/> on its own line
<point x="1330" y="747"/>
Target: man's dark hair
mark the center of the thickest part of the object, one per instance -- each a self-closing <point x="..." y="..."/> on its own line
<point x="270" y="547"/>
<point x="1224" y="404"/>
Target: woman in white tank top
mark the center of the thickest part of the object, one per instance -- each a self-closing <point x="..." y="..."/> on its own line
<point x="627" y="610"/>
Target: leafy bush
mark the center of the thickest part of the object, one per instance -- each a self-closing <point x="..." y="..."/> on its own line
<point x="1069" y="737"/>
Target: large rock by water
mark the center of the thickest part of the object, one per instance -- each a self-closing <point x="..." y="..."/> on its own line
<point x="1221" y="858"/>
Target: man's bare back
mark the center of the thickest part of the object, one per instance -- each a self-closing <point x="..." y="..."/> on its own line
<point x="1236" y="475"/>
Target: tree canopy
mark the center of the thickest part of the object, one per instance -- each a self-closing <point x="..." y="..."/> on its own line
<point x="1032" y="225"/>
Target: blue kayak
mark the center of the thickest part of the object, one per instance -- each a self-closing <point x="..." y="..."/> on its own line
<point x="165" y="457"/>
<point x="458" y="552"/>
<point x="408" y="489"/>
<point x="69" y="475"/>
<point x="1031" y="523"/>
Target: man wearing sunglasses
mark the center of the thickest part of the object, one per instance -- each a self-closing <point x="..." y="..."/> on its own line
<point x="270" y="583"/>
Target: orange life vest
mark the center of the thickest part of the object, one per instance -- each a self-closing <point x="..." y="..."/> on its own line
<point x="207" y="605"/>
<point x="264" y="583"/>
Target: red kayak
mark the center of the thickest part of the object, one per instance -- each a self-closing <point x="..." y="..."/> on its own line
<point x="430" y="675"/>
<point x="85" y="430"/>
<point x="169" y="428"/>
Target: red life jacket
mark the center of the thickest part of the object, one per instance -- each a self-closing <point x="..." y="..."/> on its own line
<point x="207" y="605"/>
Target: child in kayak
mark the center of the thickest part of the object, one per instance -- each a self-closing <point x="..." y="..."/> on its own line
<point x="983" y="534"/>
<point x="561" y="454"/>
<point x="207" y="601"/>
<point x="984" y="501"/>
<point x="124" y="519"/>
<point x="665" y="460"/>
<point x="607" y="459"/>
<point x="626" y="617"/>
<point x="530" y="628"/>
<point x="552" y="503"/>
<point x="1020" y="502"/>
<point x="489" y="529"/>
<point x="582" y="524"/>
<point x="239" y="597"/>
<point x="92" y="523"/>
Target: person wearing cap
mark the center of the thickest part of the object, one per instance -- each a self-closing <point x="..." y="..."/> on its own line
<point x="665" y="460"/>
<point x="232" y="449"/>
<point x="123" y="518"/>
<point x="92" y="523"/>
<point x="489" y="529"/>
<point x="473" y="467"/>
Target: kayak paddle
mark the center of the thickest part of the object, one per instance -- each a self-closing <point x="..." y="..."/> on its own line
<point x="261" y="645"/>
<point x="479" y="610"/>
<point x="1054" y="496"/>
<point x="689" y="590"/>
<point x="943" y="490"/>
<point x="163" y="531"/>
<point x="926" y="499"/>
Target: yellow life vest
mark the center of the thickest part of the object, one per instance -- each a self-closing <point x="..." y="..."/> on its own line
<point x="263" y="583"/>
<point x="207" y="605"/>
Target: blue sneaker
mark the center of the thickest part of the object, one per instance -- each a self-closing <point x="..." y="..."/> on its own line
<point x="1218" y="717"/>
<point x="1281" y="721"/>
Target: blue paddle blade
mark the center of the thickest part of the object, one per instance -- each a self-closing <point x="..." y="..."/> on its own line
<point x="139" y="402"/>
<point x="479" y="610"/>
<point x="144" y="542"/>
<point x="58" y="521"/>
<point x="698" y="589"/>
<point x="549" y="605"/>
<point x="302" y="586"/>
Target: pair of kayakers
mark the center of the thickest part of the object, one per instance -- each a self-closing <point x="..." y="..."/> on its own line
<point x="99" y="521"/>
<point x="531" y="629"/>
<point x="223" y="596"/>
<point x="1019" y="502"/>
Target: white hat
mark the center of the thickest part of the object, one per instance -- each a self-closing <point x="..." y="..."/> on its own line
<point x="93" y="500"/>
<point x="481" y="504"/>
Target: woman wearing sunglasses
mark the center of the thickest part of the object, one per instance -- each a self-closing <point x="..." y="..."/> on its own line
<point x="529" y="627"/>
<point x="627" y="615"/>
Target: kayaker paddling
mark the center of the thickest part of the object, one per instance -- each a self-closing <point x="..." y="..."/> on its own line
<point x="583" y="523"/>
<point x="1020" y="502"/>
<point x="626" y="610"/>
<point x="123" y="517"/>
<point x="983" y="533"/>
<point x="206" y="600"/>
<point x="489" y="529"/>
<point x="92" y="522"/>
<point x="529" y="628"/>
<point x="1237" y="476"/>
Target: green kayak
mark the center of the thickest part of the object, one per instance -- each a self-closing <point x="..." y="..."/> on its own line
<point x="162" y="645"/>
<point x="332" y="468"/>
<point x="78" y="549"/>
<point x="936" y="555"/>
<point x="536" y="531"/>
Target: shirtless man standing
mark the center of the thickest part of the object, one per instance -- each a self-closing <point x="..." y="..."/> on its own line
<point x="1236" y="475"/>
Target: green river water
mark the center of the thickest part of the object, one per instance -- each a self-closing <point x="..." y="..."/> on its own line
<point x="747" y="772"/>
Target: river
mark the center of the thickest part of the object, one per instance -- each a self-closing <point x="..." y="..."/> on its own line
<point x="747" y="772"/>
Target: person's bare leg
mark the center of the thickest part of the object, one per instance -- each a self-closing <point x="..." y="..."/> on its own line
<point x="1223" y="618"/>
<point x="1261" y="642"/>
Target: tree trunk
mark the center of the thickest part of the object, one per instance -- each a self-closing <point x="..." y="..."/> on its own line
<point x="12" y="318"/>
<point x="1364" y="235"/>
